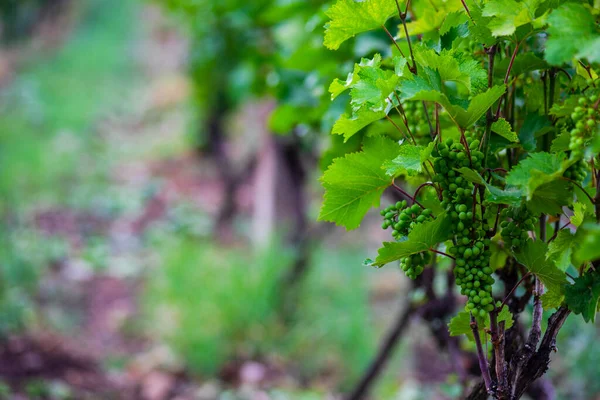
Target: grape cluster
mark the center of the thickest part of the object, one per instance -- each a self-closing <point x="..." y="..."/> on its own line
<point x="402" y="219"/>
<point x="471" y="248"/>
<point x="578" y="171"/>
<point x="515" y="231"/>
<point x="414" y="265"/>
<point x="585" y="117"/>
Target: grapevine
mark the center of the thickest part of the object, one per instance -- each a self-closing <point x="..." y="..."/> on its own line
<point x="503" y="122"/>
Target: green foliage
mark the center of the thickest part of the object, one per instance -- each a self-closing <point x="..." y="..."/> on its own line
<point x="582" y="297"/>
<point x="356" y="182"/>
<point x="574" y="33"/>
<point x="422" y="237"/>
<point x="533" y="256"/>
<point x="236" y="313"/>
<point x="350" y="17"/>
<point x="410" y="160"/>
<point x="588" y="243"/>
<point x="534" y="171"/>
<point x="503" y="128"/>
<point x="461" y="323"/>
<point x="507" y="16"/>
<point x="560" y="249"/>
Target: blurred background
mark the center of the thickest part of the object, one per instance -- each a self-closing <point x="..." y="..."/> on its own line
<point x="159" y="192"/>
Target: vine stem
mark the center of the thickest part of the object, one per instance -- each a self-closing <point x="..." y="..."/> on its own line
<point x="510" y="65"/>
<point x="497" y="334"/>
<point x="442" y="253"/>
<point x="467" y="10"/>
<point x="393" y="40"/>
<point x="558" y="230"/>
<point x="483" y="364"/>
<point x="534" y="334"/>
<point x="410" y="49"/>
<point x="421" y="186"/>
<point x="403" y="115"/>
<point x="431" y="131"/>
<point x="513" y="289"/>
<point x="438" y="131"/>
<point x="400" y="130"/>
<point x="489" y="118"/>
<point x="415" y="201"/>
<point x="497" y="219"/>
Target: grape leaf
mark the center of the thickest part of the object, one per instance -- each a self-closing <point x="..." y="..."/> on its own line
<point x="583" y="295"/>
<point x="370" y="87"/>
<point x="509" y="15"/>
<point x="534" y="171"/>
<point x="552" y="299"/>
<point x="532" y="126"/>
<point x="573" y="33"/>
<point x="560" y="249"/>
<point x="510" y="196"/>
<point x="338" y="86"/>
<point x="478" y="26"/>
<point x="463" y="118"/>
<point x="422" y="237"/>
<point x="451" y="20"/>
<point x="503" y="128"/>
<point x="348" y="125"/>
<point x="441" y="15"/>
<point x="499" y="255"/>
<point x="461" y="323"/>
<point x="471" y="175"/>
<point x="578" y="214"/>
<point x="373" y="88"/>
<point x="533" y="257"/>
<point x="549" y="198"/>
<point x="353" y="184"/>
<point x="561" y="142"/>
<point x="350" y="17"/>
<point x="453" y="67"/>
<point x="588" y="237"/>
<point x="410" y="160"/>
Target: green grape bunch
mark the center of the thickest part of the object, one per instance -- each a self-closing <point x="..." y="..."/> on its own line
<point x="471" y="248"/>
<point x="402" y="218"/>
<point x="578" y="171"/>
<point x="516" y="231"/>
<point x="414" y="265"/>
<point x="585" y="118"/>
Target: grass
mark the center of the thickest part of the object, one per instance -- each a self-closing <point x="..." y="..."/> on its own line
<point x="217" y="304"/>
